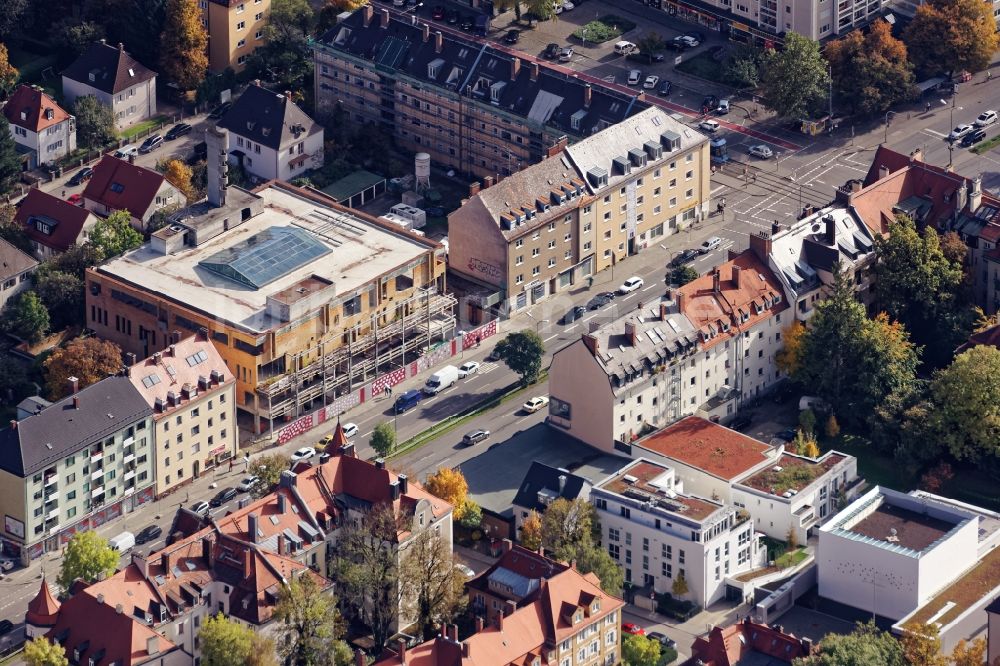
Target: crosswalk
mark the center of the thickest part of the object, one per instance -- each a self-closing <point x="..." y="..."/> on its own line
<point x="487" y="366"/>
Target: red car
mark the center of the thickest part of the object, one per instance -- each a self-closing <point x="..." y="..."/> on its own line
<point x="75" y="199"/>
<point x="634" y="629"/>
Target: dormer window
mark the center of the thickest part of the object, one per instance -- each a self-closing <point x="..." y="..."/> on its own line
<point x="117" y="188"/>
<point x="434" y="68"/>
<point x="43" y="227"/>
<point x="776" y="299"/>
<point x="578" y="617"/>
<point x="596" y="606"/>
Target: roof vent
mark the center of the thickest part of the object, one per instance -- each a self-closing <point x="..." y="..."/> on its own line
<point x="893" y="536"/>
<point x="629" y="479"/>
<point x="778" y="468"/>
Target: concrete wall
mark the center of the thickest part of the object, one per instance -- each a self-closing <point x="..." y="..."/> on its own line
<point x="948" y="559"/>
<point x="993" y="644"/>
<point x="576" y="378"/>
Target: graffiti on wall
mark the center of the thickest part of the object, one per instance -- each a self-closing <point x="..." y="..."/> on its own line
<point x="472" y="339"/>
<point x="388" y="379"/>
<point x="295" y="428"/>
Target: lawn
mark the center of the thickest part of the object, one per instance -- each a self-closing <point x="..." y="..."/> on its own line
<point x="146" y="126"/>
<point x="704" y="66"/>
<point x="791" y="559"/>
<point x="604" y="29"/>
<point x="989" y="144"/>
<point x="31" y="64"/>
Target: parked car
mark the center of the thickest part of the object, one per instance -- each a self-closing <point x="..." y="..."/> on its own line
<point x="465" y="570"/>
<point x="632" y="628"/>
<point x="453" y="17"/>
<point x="788" y="434"/>
<point x="125" y="152"/>
<point x="201" y="508"/>
<point x="625" y="47"/>
<point x="512" y="37"/>
<point x="467" y="23"/>
<point x="600" y="300"/>
<point x="220" y="110"/>
<point x="959" y="132"/>
<point x="710" y="126"/>
<point x="567" y="6"/>
<point x="634" y="76"/>
<point x="630" y="285"/>
<point x="573" y="314"/>
<point x="566" y="54"/>
<point x="689" y="41"/>
<point x="985" y="118"/>
<point x="664" y="89"/>
<point x="973" y="137"/>
<point x="177" y="131"/>
<point x="683" y="257"/>
<point x="222" y="497"/>
<point x="247" y="484"/>
<point x="710" y="102"/>
<point x="662" y="639"/>
<point x="761" y="151"/>
<point x="122" y="543"/>
<point x="398" y="3"/>
<point x="151" y="144"/>
<point x="650" y="82"/>
<point x="84" y="174"/>
<point x="5" y="627"/>
<point x="741" y="422"/>
<point x="438" y="12"/>
<point x="468" y="368"/>
<point x="148" y="533"/>
<point x="552" y="51"/>
<point x="710" y="244"/>
<point x="199" y="152"/>
<point x="475" y="436"/>
<point x="723" y="107"/>
<point x="647" y="58"/>
<point x="695" y="35"/>
<point x="535" y="404"/>
<point x="305" y="453"/>
<point x="75" y="199"/>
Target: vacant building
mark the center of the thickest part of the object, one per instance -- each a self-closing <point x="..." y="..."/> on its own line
<point x="235" y="30"/>
<point x="116" y="79"/>
<point x="40" y="127"/>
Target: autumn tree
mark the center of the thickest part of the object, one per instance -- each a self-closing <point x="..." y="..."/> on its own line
<point x="531" y="531"/>
<point x="8" y="73"/>
<point x="789" y="357"/>
<point x="954" y="248"/>
<point x="870" y="70"/>
<point x="432" y="589"/>
<point x="88" y="557"/>
<point x="40" y="651"/>
<point x="680" y="586"/>
<point x="794" y="79"/>
<point x="95" y="122"/>
<point x="970" y="654"/>
<point x="267" y="469"/>
<point x="921" y="644"/>
<point x="640" y="650"/>
<point x="25" y="317"/>
<point x="832" y="427"/>
<point x="115" y="235"/>
<point x="965" y="396"/>
<point x="184" y="45"/>
<point x="571" y="531"/>
<point x="449" y="484"/>
<point x="88" y="359"/>
<point x="179" y="175"/>
<point x="522" y="351"/>
<point x="10" y="161"/>
<point x="947" y="36"/>
<point x="307" y="620"/>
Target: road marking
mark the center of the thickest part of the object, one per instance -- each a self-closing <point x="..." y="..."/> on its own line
<point x="935" y="133"/>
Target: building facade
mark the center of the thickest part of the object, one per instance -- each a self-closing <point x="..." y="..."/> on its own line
<point x="16" y="268"/>
<point x="121" y="185"/>
<point x="75" y="465"/>
<point x="40" y="126"/>
<point x="193" y="397"/>
<point x="116" y="79"/>
<point x="235" y="30"/>
<point x="51" y="224"/>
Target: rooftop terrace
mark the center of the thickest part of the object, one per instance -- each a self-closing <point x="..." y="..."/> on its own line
<point x="647" y="481"/>
<point x="980" y="581"/>
<point x="795" y="473"/>
<point x="902" y="526"/>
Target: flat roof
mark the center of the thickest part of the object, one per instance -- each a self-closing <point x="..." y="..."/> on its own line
<point x="642" y="480"/>
<point x="902" y="526"/>
<point x="796" y="473"/>
<point x="962" y="593"/>
<point x="352" y="183"/>
<point x="708" y="446"/>
<point x="359" y="250"/>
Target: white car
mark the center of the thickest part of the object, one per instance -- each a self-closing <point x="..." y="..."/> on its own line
<point x="247" y="484"/>
<point x="630" y="285"/>
<point x="467" y="368"/>
<point x="959" y="132"/>
<point x="986" y="118"/>
<point x="634" y="77"/>
<point x="761" y="151"/>
<point x="535" y="404"/>
<point x="350" y="429"/>
<point x="651" y="82"/>
<point x="568" y="6"/>
<point x="710" y="126"/>
<point x="201" y="508"/>
<point x="305" y="453"/>
<point x="688" y="41"/>
<point x="126" y="152"/>
<point x="465" y="570"/>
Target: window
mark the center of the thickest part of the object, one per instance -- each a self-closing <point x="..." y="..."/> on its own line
<point x="259" y="34"/>
<point x="258" y="16"/>
<point x="240" y="43"/>
<point x="241" y="25"/>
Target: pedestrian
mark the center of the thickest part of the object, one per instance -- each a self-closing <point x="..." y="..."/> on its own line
<point x="927" y="108"/>
<point x="231" y="463"/>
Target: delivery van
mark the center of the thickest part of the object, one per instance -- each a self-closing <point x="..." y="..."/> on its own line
<point x="123" y="542"/>
<point x="441" y="380"/>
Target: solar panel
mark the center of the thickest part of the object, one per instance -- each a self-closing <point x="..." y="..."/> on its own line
<point x="266" y="256"/>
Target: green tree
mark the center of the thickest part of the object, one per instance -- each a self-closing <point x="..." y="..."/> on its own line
<point x="469" y="514"/>
<point x="432" y="589"/>
<point x="679" y="588"/>
<point x="540" y="9"/>
<point x="965" y="417"/>
<point x="95" y="122"/>
<point x="522" y="352"/>
<point x="40" y="651"/>
<point x="73" y="36"/>
<point x="640" y="651"/>
<point x="76" y="260"/>
<point x="744" y="69"/>
<point x="681" y="275"/>
<point x="88" y="359"/>
<point x="15" y="385"/>
<point x="25" y="317"/>
<point x="184" y="45"/>
<point x="115" y="234"/>
<point x="268" y="471"/>
<point x="308" y="622"/>
<point x="947" y="36"/>
<point x="592" y="558"/>
<point x="383" y="439"/>
<point x="224" y="642"/>
<point x="650" y="43"/>
<point x="865" y="646"/>
<point x="61" y="294"/>
<point x="11" y="16"/>
<point x="140" y="24"/>
<point x="88" y="557"/>
<point x="870" y="70"/>
<point x="807" y="422"/>
<point x="10" y="163"/>
<point x="794" y="80"/>
<point x="8" y="73"/>
<point x="286" y="55"/>
<point x="567" y="524"/>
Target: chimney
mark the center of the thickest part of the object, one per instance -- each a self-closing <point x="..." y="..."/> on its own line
<point x="282" y="501"/>
<point x="252" y="527"/>
<point x="165" y="562"/>
<point x="129" y="359"/>
<point x="775" y="227"/>
<point x="207" y="543"/>
<point x="368" y="12"/>
<point x="487" y="182"/>
<point x="679" y="298"/>
<point x="630" y="332"/>
<point x="359" y="656"/>
<point x="121" y="47"/>
<point x="281" y="544"/>
<point x="917" y="155"/>
<point x="384" y="18"/>
<point x="474" y="188"/>
<point x="588" y="96"/>
<point x="76" y="402"/>
<point x="394" y="490"/>
<point x="425" y="31"/>
<point x="347" y="450"/>
<point x="73" y="384"/>
<point x="716" y="281"/>
<point x="153" y="644"/>
<point x="438" y="41"/>
<point x="247" y="564"/>
<point x="736" y="276"/>
<point x="515" y="68"/>
<point x="404" y="484"/>
<point x="401" y="650"/>
<point x="534" y="71"/>
<point x="380" y="463"/>
<point x="141" y="563"/>
<point x="975" y="193"/>
<point x="100" y="597"/>
<point x="480" y="625"/>
<point x="883" y="172"/>
<point x="466" y="649"/>
<point x="506" y="545"/>
<point x="831" y="230"/>
<point x="288" y="479"/>
<point x="807" y="645"/>
<point x="453" y="632"/>
<point x="119" y="609"/>
<point x="591" y="343"/>
<point x="13" y="424"/>
<point x="663" y="311"/>
<point x="509" y="607"/>
<point x="173" y="350"/>
<point x="760" y="243"/>
<point x="562" y="483"/>
<point x="103" y="41"/>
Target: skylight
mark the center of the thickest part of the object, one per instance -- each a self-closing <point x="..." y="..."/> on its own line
<point x="117" y="187"/>
<point x="151" y="380"/>
<point x="266" y="257"/>
<point x="195" y="359"/>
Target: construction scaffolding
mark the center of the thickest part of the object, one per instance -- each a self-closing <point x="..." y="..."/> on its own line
<point x="372" y="347"/>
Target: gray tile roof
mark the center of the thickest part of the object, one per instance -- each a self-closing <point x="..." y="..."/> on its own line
<point x="13" y="261"/>
<point x="40" y="440"/>
<point x="268" y="118"/>
<point x="544" y="478"/>
<point x="113" y="69"/>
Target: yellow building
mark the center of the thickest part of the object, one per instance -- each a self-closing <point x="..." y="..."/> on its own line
<point x="235" y="30"/>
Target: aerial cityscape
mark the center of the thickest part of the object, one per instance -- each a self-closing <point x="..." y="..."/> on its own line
<point x="499" y="333"/>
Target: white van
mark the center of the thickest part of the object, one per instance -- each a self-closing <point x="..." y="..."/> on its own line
<point x="625" y="48"/>
<point x="440" y="380"/>
<point x="123" y="542"/>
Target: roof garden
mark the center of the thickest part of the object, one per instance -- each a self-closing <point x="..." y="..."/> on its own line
<point x="791" y="473"/>
<point x="898" y="525"/>
<point x="980" y="581"/>
<point x="648" y="482"/>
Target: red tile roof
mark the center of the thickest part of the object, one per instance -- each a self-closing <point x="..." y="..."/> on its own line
<point x="66" y="220"/>
<point x="178" y="358"/>
<point x="709" y="309"/>
<point x="707" y="446"/>
<point x="989" y="336"/>
<point x="31" y="109"/>
<point x="521" y="561"/>
<point x="727" y="646"/>
<point x="120" y="185"/>
<point x="42" y="610"/>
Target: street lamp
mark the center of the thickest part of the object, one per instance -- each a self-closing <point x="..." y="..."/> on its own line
<point x="887" y="114"/>
<point x="951" y="142"/>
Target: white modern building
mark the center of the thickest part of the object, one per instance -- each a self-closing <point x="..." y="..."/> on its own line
<point x="40" y="127"/>
<point x="116" y="79"/>
<point x="658" y="532"/>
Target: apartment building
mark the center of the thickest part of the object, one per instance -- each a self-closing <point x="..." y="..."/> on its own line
<point x="271" y="137"/>
<point x="75" y="465"/>
<point x="472" y="107"/>
<point x="510" y="582"/>
<point x="235" y="30"/>
<point x="545" y="229"/>
<point x="569" y="621"/>
<point x="116" y="79"/>
<point x="542" y="485"/>
<point x="16" y="268"/>
<point x="40" y="126"/>
<point x="704" y="350"/>
<point x="52" y="224"/>
<point x="747" y="642"/>
<point x="659" y="533"/>
<point x="302" y="297"/>
<point x="193" y="397"/>
<point x="121" y="185"/>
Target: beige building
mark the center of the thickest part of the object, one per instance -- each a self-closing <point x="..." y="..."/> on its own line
<point x="235" y="30"/>
<point x="544" y="229"/>
<point x="193" y="397"/>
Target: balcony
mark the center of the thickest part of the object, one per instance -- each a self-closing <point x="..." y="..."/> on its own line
<point x="97" y="474"/>
<point x="52" y="513"/>
<point x="51" y="480"/>
<point x="129" y="474"/>
<point x="128" y="441"/>
<point x="97" y="492"/>
<point x="128" y="458"/>
<point x="51" y="496"/>
<point x="96" y="456"/>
